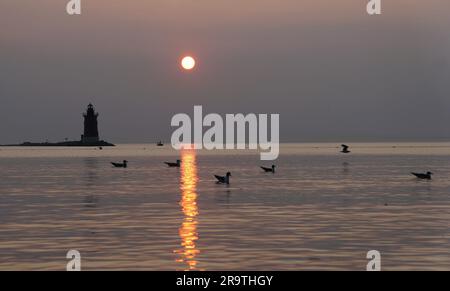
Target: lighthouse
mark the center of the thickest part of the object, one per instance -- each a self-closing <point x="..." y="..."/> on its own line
<point x="90" y="126"/>
<point x="89" y="138"/>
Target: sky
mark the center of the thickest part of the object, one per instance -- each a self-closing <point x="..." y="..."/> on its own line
<point x="330" y="70"/>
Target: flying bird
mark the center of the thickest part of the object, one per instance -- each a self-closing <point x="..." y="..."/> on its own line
<point x="269" y="170"/>
<point x="173" y="165"/>
<point x="124" y="164"/>
<point x="345" y="149"/>
<point x="421" y="176"/>
<point x="223" y="179"/>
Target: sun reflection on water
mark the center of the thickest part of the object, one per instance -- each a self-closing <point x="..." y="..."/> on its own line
<point x="188" y="230"/>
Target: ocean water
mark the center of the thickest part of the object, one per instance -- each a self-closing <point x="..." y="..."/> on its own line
<point x="321" y="210"/>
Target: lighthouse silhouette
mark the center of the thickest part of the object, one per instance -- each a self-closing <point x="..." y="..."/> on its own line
<point x="90" y="126"/>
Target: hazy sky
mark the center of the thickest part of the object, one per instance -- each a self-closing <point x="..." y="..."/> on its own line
<point x="331" y="71"/>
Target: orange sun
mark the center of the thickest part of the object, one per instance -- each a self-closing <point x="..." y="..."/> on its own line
<point x="188" y="63"/>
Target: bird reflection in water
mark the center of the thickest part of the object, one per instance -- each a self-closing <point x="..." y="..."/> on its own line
<point x="188" y="230"/>
<point x="91" y="180"/>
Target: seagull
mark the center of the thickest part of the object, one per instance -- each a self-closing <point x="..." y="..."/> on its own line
<point x="223" y="180"/>
<point x="345" y="149"/>
<point x="173" y="165"/>
<point x="269" y="170"/>
<point x="426" y="176"/>
<point x="120" y="165"/>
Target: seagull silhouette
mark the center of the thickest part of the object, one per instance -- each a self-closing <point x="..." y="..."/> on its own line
<point x="345" y="149"/>
<point x="269" y="170"/>
<point x="124" y="164"/>
<point x="421" y="176"/>
<point x="223" y="179"/>
<point x="173" y="165"/>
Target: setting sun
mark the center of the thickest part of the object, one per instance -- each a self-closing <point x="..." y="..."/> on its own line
<point x="188" y="63"/>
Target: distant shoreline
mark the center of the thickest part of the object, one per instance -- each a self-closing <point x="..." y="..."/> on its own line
<point x="62" y="144"/>
<point x="361" y="145"/>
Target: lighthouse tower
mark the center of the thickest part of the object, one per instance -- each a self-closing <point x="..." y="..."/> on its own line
<point x="90" y="126"/>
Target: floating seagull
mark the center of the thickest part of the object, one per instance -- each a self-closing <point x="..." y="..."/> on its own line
<point x="269" y="170"/>
<point x="345" y="149"/>
<point x="426" y="176"/>
<point x="223" y="180"/>
<point x="173" y="165"/>
<point x="120" y="165"/>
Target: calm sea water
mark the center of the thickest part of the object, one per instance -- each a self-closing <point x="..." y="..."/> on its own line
<point x="320" y="211"/>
